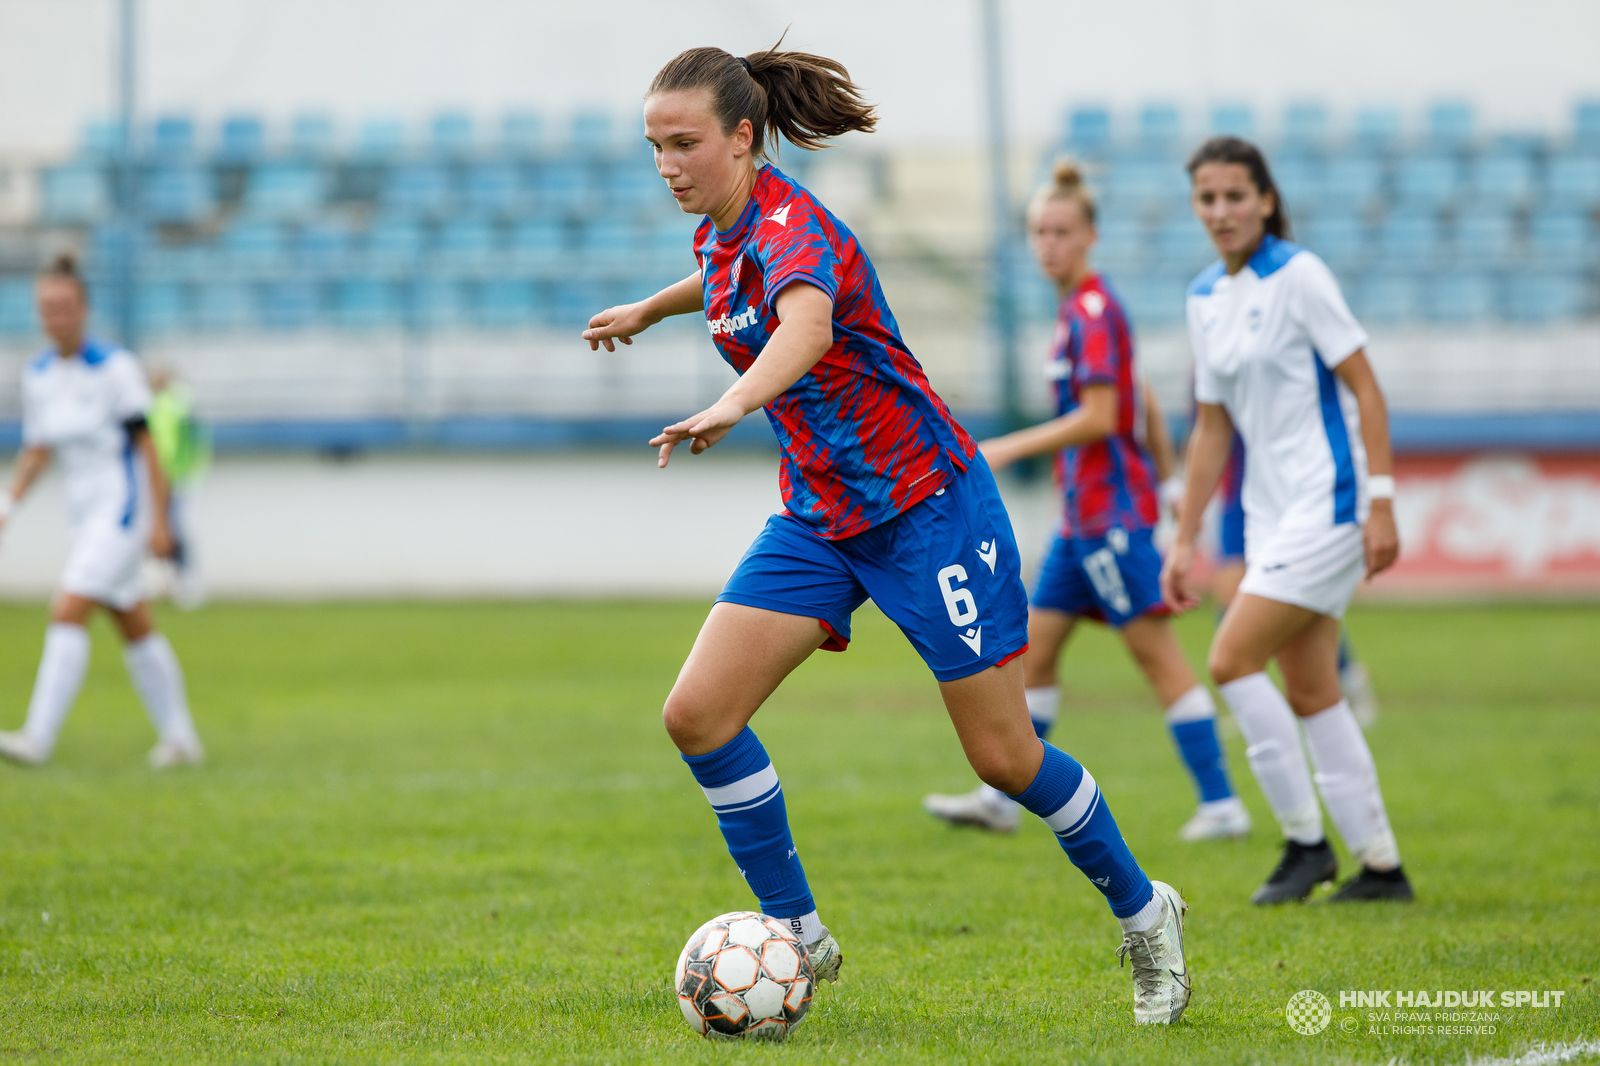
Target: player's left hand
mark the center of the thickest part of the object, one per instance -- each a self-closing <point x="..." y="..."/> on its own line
<point x="162" y="543"/>
<point x="1380" y="539"/>
<point x="702" y="430"/>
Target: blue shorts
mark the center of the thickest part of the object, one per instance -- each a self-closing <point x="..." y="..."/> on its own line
<point x="1230" y="532"/>
<point x="1114" y="578"/>
<point x="946" y="571"/>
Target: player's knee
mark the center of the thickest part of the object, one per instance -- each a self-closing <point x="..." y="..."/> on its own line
<point x="1011" y="771"/>
<point x="1225" y="664"/>
<point x="679" y="716"/>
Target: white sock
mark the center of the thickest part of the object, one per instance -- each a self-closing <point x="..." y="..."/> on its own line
<point x="61" y="669"/>
<point x="1193" y="706"/>
<point x="1348" y="780"/>
<point x="1044" y="703"/>
<point x="808" y="927"/>
<point x="1275" y="755"/>
<point x="1148" y="916"/>
<point x="159" y="681"/>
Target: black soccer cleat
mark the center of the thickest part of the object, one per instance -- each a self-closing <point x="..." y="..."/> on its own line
<point x="1302" y="868"/>
<point x="1372" y="884"/>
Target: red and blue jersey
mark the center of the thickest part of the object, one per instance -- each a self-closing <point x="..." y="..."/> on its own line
<point x="1109" y="483"/>
<point x="863" y="434"/>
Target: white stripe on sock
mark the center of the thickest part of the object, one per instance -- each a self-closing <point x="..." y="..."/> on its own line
<point x="1072" y="812"/>
<point x="744" y="791"/>
<point x="1193" y="706"/>
<point x="1044" y="703"/>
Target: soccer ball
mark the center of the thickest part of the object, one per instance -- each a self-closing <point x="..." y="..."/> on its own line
<point x="744" y="974"/>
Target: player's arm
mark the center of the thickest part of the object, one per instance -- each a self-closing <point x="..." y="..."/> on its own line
<point x="1208" y="455"/>
<point x="1094" y="418"/>
<point x="622" y="322"/>
<point x="30" y="464"/>
<point x="138" y="429"/>
<point x="803" y="336"/>
<point x="1380" y="537"/>
<point x="1158" y="436"/>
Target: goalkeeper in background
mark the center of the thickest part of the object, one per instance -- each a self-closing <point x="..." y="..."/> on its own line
<point x="183" y="446"/>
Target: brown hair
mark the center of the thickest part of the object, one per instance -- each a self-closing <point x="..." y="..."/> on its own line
<point x="801" y="97"/>
<point x="1066" y="183"/>
<point x="65" y="268"/>
<point x="1240" y="151"/>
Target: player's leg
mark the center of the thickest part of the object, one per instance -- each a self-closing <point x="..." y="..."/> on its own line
<point x="158" y="679"/>
<point x="1191" y="718"/>
<point x="62" y="668"/>
<point x="1346" y="775"/>
<point x="1253" y="631"/>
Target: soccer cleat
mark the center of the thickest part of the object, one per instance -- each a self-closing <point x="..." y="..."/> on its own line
<point x="1372" y="884"/>
<point x="1357" y="686"/>
<point x="1221" y="820"/>
<point x="169" y="753"/>
<point x="21" y="748"/>
<point x="982" y="807"/>
<point x="826" y="958"/>
<point x="1160" y="973"/>
<point x="1302" y="868"/>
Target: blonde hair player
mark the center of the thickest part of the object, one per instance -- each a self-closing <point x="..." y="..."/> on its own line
<point x="86" y="402"/>
<point x="1279" y="357"/>
<point x="1112" y="453"/>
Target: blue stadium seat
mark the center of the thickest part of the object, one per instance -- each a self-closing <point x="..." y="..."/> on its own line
<point x="608" y="239"/>
<point x="521" y="133"/>
<point x="1088" y="132"/>
<point x="325" y="248"/>
<point x="1586" y="123"/>
<point x="563" y="186"/>
<point x="311" y="136"/>
<point x="438" y="303"/>
<point x="74" y="194"/>
<point x="1141" y="184"/>
<point x="243" y="139"/>
<point x="668" y="244"/>
<point x="635" y="185"/>
<point x="101" y="140"/>
<point x="1160" y="127"/>
<point x="254" y="247"/>
<point x="1183" y="247"/>
<point x="1235" y="119"/>
<point x="1353" y="181"/>
<point x="538" y="242"/>
<point x="380" y="139"/>
<point x="1409" y="238"/>
<point x="467" y="244"/>
<point x="1377" y="128"/>
<point x="172" y="138"/>
<point x="1561" y="238"/>
<point x="1388" y="297"/>
<point x="1573" y="180"/>
<point x="1305" y="126"/>
<point x="1155" y="299"/>
<point x="1303" y="180"/>
<point x="17" y="315"/>
<point x="1461" y="297"/>
<point x="418" y="188"/>
<point x="367" y="303"/>
<point x="1427" y="180"/>
<point x="1120" y="246"/>
<point x="1503" y="176"/>
<point x="590" y="133"/>
<point x="505" y="303"/>
<point x="162" y="307"/>
<point x="179" y="194"/>
<point x="1484" y="238"/>
<point x="109" y="243"/>
<point x="1545" y="296"/>
<point x="1450" y="125"/>
<point x="224" y="306"/>
<point x="575" y="301"/>
<point x="1340" y="238"/>
<point x="395" y="243"/>
<point x="451" y="134"/>
<point x="289" y="304"/>
<point x="493" y="188"/>
<point x="284" y="190"/>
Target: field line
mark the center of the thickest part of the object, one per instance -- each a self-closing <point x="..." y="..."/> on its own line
<point x="1545" y="1054"/>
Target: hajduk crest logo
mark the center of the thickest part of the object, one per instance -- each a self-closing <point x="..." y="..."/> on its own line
<point x="1093" y="303"/>
<point x="725" y="324"/>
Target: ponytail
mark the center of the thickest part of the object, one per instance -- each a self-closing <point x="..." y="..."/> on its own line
<point x="1247" y="155"/>
<point x="64" y="267"/>
<point x="802" y="98"/>
<point x="1066" y="183"/>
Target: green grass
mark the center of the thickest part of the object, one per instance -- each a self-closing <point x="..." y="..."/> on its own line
<point x="458" y="833"/>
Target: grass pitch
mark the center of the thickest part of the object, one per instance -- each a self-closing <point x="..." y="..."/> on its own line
<point x="458" y="833"/>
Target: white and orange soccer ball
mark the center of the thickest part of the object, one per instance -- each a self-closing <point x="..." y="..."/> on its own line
<point x="744" y="975"/>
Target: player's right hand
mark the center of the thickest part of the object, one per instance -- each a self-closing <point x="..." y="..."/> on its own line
<point x="1175" y="590"/>
<point x="616" y="324"/>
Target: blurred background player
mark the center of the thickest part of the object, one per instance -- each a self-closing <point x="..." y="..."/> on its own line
<point x="184" y="449"/>
<point x="1280" y="359"/>
<point x="1230" y="567"/>
<point x="885" y="496"/>
<point x="1103" y="563"/>
<point x="87" y="403"/>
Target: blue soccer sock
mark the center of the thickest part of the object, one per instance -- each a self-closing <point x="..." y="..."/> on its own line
<point x="1065" y="796"/>
<point x="1044" y="703"/>
<point x="739" y="781"/>
<point x="1192" y="720"/>
<point x="1346" y="654"/>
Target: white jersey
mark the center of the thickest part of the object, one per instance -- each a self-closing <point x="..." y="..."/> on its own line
<point x="78" y="407"/>
<point x="1266" y="341"/>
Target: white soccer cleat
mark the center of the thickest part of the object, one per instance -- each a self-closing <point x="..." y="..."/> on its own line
<point x="1357" y="686"/>
<point x="982" y="807"/>
<point x="1160" y="973"/>
<point x="169" y="753"/>
<point x="21" y="748"/>
<point x="1219" y="820"/>
<point x="826" y="958"/>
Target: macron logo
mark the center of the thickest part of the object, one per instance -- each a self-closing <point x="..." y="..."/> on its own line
<point x="744" y="318"/>
<point x="780" y="216"/>
<point x="973" y="638"/>
<point x="988" y="553"/>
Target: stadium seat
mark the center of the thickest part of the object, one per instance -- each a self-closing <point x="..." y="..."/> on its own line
<point x="367" y="303"/>
<point x="493" y="189"/>
<point x="467" y="245"/>
<point x="324" y="248"/>
<point x="1377" y="128"/>
<point x="1560" y="238"/>
<point x="172" y="138"/>
<point x="1409" y="238"/>
<point x="418" y="188"/>
<point x="395" y="244"/>
<point x="161" y="308"/>
<point x="1121" y="244"/>
<point x="668" y="245"/>
<point x="521" y="133"/>
<point x="254" y="248"/>
<point x="1160" y="127"/>
<point x="284" y="190"/>
<point x="311" y="136"/>
<point x="590" y="133"/>
<point x="17" y="315"/>
<point x="381" y="139"/>
<point x="506" y="303"/>
<point x="1305" y="127"/>
<point x="1303" y="181"/>
<point x="289" y="304"/>
<point x="607" y="239"/>
<point x="634" y="185"/>
<point x="451" y="134"/>
<point x="1461" y="297"/>
<point x="1484" y="238"/>
<point x="179" y="195"/>
<point x="1145" y="184"/>
<point x="1450" y="125"/>
<point x="1545" y="296"/>
<point x="538" y="242"/>
<point x="576" y="300"/>
<point x="1182" y="246"/>
<point x="562" y="187"/>
<point x="1573" y="180"/>
<point x="1237" y="120"/>
<point x="1338" y="237"/>
<point x="74" y="195"/>
<point x="1503" y="176"/>
<point x="1387" y="297"/>
<point x="1586" y="123"/>
<point x="101" y="140"/>
<point x="243" y="139"/>
<point x="1155" y="299"/>
<point x="224" y="306"/>
<point x="1088" y="132"/>
<point x="438" y="303"/>
<point x="1354" y="181"/>
<point x="1427" y="180"/>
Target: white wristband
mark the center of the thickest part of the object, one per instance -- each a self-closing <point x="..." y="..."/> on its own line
<point x="1380" y="487"/>
<point x="1172" y="490"/>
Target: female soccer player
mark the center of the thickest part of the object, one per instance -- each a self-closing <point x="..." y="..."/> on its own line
<point x="1280" y="358"/>
<point x="885" y="496"/>
<point x="85" y="402"/>
<point x="1102" y="564"/>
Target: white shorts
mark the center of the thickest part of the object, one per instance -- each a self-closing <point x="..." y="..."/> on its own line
<point x="1317" y="569"/>
<point x="104" y="565"/>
